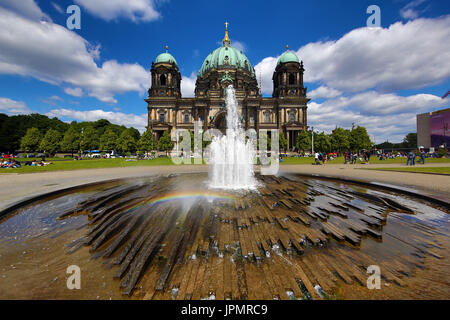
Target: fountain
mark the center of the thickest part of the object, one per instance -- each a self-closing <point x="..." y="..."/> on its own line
<point x="232" y="157"/>
<point x="168" y="237"/>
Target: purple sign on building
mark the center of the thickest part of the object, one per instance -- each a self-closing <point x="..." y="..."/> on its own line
<point x="440" y="129"/>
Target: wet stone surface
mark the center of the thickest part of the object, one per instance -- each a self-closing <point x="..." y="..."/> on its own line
<point x="172" y="237"/>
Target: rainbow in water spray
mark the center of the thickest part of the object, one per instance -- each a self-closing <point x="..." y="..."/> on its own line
<point x="187" y="195"/>
<point x="184" y="195"/>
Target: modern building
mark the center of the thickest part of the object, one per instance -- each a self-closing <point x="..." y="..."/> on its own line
<point x="286" y="110"/>
<point x="433" y="129"/>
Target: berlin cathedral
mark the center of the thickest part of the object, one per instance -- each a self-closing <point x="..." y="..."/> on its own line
<point x="285" y="111"/>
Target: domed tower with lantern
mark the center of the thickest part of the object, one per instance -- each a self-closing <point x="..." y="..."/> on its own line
<point x="290" y="94"/>
<point x="165" y="90"/>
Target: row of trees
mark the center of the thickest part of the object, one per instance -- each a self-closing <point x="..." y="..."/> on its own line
<point x="340" y="140"/>
<point x="409" y="142"/>
<point x="86" y="139"/>
<point x="13" y="128"/>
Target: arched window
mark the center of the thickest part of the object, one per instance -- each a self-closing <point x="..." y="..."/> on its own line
<point x="162" y="117"/>
<point x="186" y="118"/>
<point x="291" y="117"/>
<point x="291" y="78"/>
<point x="267" y="117"/>
<point x="162" y="80"/>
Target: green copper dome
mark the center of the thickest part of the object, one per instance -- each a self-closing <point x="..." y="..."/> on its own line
<point x="226" y="56"/>
<point x="288" y="56"/>
<point x="166" y="57"/>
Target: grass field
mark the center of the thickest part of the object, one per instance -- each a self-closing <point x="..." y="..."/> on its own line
<point x="88" y="164"/>
<point x="64" y="164"/>
<point x="440" y="170"/>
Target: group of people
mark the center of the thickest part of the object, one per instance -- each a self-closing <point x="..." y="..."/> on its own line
<point x="353" y="157"/>
<point x="37" y="163"/>
<point x="320" y="158"/>
<point x="10" y="163"/>
<point x="411" y="157"/>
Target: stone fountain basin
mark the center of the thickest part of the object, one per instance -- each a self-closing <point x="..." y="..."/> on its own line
<point x="171" y="236"/>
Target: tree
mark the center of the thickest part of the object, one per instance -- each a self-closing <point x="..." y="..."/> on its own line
<point x="101" y="126"/>
<point x="108" y="141"/>
<point x="31" y="140"/>
<point x="340" y="140"/>
<point x="147" y="141"/>
<point x="303" y="141"/>
<point x="134" y="133"/>
<point x="322" y="142"/>
<point x="89" y="139"/>
<point x="72" y="139"/>
<point x="359" y="139"/>
<point x="283" y="142"/>
<point x="410" y="141"/>
<point x="126" y="142"/>
<point x="165" y="143"/>
<point x="51" y="141"/>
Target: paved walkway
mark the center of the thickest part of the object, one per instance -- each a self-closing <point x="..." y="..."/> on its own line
<point x="17" y="187"/>
<point x="430" y="184"/>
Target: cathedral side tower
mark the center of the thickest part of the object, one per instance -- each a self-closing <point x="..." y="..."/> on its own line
<point x="288" y="76"/>
<point x="166" y="77"/>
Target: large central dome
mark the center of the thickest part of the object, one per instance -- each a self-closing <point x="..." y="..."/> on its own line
<point x="226" y="57"/>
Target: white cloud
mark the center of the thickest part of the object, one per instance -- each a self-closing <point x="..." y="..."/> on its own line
<point x="374" y="103"/>
<point x="27" y="8"/>
<point x="360" y="73"/>
<point x="136" y="10"/>
<point x="52" y="53"/>
<point x="12" y="107"/>
<point x="324" y="92"/>
<point x="404" y="56"/>
<point x="410" y="10"/>
<point x="264" y="70"/>
<point x="76" y="92"/>
<point x="188" y="85"/>
<point x="238" y="45"/>
<point x="130" y="120"/>
<point x="53" y="100"/>
<point x="386" y="116"/>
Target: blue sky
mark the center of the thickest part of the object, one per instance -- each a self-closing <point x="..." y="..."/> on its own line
<point x="376" y="77"/>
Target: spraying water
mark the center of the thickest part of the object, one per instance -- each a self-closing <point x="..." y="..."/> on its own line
<point x="232" y="157"/>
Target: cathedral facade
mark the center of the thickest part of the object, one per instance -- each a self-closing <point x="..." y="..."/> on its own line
<point x="285" y="111"/>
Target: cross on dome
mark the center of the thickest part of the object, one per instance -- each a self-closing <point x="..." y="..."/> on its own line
<point x="226" y="41"/>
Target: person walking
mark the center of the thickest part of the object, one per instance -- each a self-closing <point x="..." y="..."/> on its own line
<point x="368" y="157"/>
<point x="422" y="155"/>
<point x="354" y="158"/>
<point x="316" y="158"/>
<point x="411" y="158"/>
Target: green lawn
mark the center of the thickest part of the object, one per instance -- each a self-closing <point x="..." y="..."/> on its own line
<point x="89" y="164"/>
<point x="441" y="170"/>
<point x="59" y="164"/>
